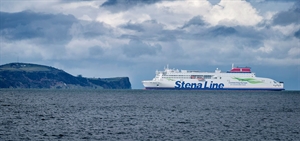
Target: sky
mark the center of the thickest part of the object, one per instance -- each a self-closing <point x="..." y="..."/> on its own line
<point x="134" y="38"/>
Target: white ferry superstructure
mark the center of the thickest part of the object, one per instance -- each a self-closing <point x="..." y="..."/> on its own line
<point x="238" y="78"/>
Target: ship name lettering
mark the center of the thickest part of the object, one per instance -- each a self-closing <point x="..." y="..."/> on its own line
<point x="206" y="85"/>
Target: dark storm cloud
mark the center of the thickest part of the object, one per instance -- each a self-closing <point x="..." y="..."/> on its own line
<point x="249" y="33"/>
<point x="27" y="25"/>
<point x="150" y="30"/>
<point x="209" y="33"/>
<point x="91" y="29"/>
<point x="223" y="31"/>
<point x="128" y="2"/>
<point x="137" y="48"/>
<point x="242" y="36"/>
<point x="288" y="17"/>
<point x="297" y="34"/>
<point x="132" y="26"/>
<point x="123" y="5"/>
<point x="197" y="21"/>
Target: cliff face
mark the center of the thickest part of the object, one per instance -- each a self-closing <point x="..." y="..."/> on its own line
<point x="24" y="75"/>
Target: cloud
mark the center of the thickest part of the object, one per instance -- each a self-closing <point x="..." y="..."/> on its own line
<point x="116" y="19"/>
<point x="29" y="25"/>
<point x="132" y="26"/>
<point x="226" y="12"/>
<point x="150" y="30"/>
<point x="272" y="0"/>
<point x="52" y="36"/>
<point x="288" y="17"/>
<point x="137" y="48"/>
<point x="195" y="21"/>
<point x="174" y="14"/>
<point x="297" y="34"/>
<point x="232" y="13"/>
<point x="123" y="5"/>
<point x="223" y="31"/>
<point x="147" y="26"/>
<point x="14" y="6"/>
<point x="90" y="29"/>
<point x="214" y="2"/>
<point x="96" y="51"/>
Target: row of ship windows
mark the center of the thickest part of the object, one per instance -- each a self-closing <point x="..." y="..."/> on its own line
<point x="187" y="77"/>
<point x="190" y="75"/>
<point x="178" y="77"/>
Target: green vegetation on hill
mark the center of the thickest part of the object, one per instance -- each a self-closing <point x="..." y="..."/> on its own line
<point x="24" y="75"/>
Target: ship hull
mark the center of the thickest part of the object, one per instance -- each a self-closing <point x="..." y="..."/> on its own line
<point x="233" y="89"/>
<point x="262" y="84"/>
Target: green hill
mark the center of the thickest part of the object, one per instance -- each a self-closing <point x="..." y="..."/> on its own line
<point x="25" y="75"/>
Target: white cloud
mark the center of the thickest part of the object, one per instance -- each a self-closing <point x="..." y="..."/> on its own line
<point x="80" y="4"/>
<point x="232" y="13"/>
<point x="295" y="51"/>
<point x="116" y="19"/>
<point x="17" y="5"/>
<point x="25" y="49"/>
<point x="79" y="48"/>
<point x="279" y="52"/>
<point x="85" y="18"/>
<point x="113" y="19"/>
<point x="288" y="29"/>
<point x="83" y="10"/>
<point x="266" y="49"/>
<point x="174" y="13"/>
<point x="278" y="61"/>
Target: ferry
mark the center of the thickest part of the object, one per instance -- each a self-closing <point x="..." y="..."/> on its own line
<point x="238" y="78"/>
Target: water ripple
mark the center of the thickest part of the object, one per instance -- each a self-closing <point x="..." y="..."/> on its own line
<point x="148" y="115"/>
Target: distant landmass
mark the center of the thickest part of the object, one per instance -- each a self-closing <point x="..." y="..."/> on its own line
<point x="25" y="75"/>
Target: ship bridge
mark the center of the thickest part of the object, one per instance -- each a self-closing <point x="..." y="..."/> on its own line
<point x="239" y="70"/>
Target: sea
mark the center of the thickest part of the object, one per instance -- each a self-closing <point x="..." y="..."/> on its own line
<point x="38" y="114"/>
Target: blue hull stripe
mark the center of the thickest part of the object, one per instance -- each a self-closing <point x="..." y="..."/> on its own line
<point x="168" y="88"/>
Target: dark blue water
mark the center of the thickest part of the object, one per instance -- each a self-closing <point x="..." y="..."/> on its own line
<point x="148" y="115"/>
